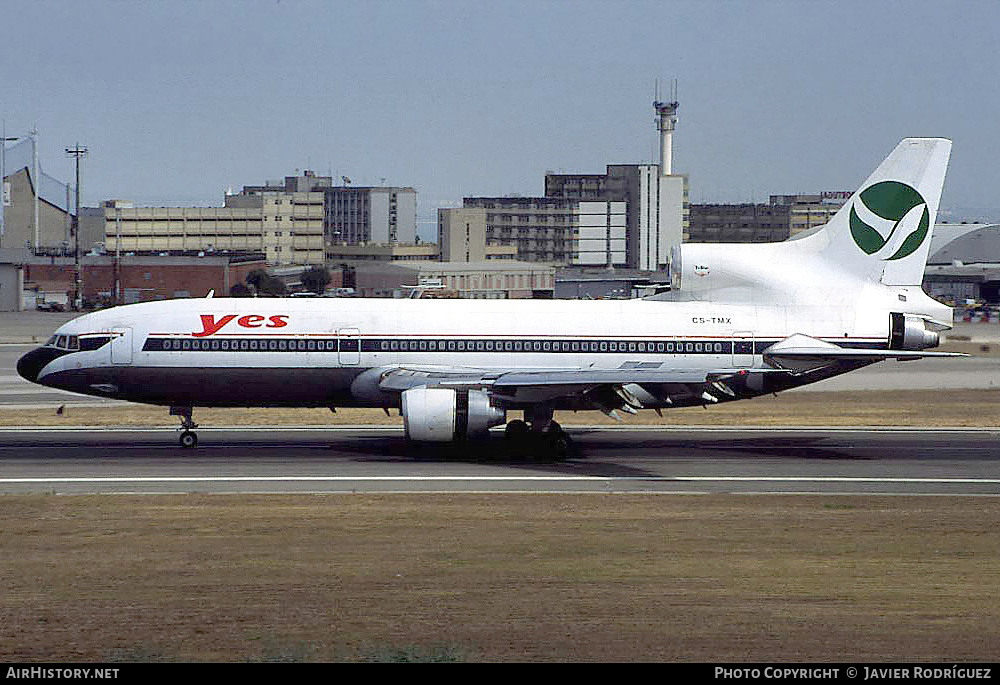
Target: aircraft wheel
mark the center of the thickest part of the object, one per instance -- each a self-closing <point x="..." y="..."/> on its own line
<point x="516" y="430"/>
<point x="189" y="439"/>
<point x="559" y="445"/>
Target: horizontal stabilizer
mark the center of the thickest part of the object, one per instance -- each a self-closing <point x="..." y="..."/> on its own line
<point x="803" y="353"/>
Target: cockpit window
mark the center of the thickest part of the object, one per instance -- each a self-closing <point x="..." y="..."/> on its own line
<point x="75" y="343"/>
<point x="94" y="342"/>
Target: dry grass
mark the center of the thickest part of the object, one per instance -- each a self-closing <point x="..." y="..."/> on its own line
<point x="500" y="577"/>
<point x="869" y="408"/>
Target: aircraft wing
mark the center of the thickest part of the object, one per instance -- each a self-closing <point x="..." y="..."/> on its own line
<point x="602" y="388"/>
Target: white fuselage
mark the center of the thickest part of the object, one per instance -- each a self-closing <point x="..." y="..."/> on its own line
<point x="291" y="352"/>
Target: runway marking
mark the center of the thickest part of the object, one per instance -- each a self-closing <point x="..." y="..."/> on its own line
<point x="589" y="479"/>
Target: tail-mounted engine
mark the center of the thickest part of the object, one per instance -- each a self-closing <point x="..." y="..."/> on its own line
<point x="908" y="332"/>
<point x="445" y="414"/>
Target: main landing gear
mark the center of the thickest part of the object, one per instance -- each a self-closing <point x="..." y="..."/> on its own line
<point x="188" y="439"/>
<point x="542" y="438"/>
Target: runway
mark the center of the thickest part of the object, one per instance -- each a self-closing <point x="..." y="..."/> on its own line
<point x="909" y="461"/>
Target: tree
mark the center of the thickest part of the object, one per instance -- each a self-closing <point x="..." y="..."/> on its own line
<point x="241" y="290"/>
<point x="316" y="279"/>
<point x="266" y="284"/>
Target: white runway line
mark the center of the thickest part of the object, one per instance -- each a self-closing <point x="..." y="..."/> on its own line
<point x="442" y="479"/>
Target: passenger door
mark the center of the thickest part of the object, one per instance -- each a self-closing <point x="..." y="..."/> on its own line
<point x="742" y="349"/>
<point x="121" y="345"/>
<point x="348" y="346"/>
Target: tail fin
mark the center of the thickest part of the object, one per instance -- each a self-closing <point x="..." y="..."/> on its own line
<point x="884" y="231"/>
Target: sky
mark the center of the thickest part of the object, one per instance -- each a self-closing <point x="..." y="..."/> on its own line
<point x="179" y="101"/>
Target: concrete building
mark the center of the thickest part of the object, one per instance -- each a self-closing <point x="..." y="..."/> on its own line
<point x="286" y="225"/>
<point x="781" y="218"/>
<point x="549" y="230"/>
<point x="11" y="280"/>
<point x="52" y="231"/>
<point x="491" y="279"/>
<point x="381" y="252"/>
<point x="633" y="215"/>
<point x="291" y="221"/>
<point x="607" y="284"/>
<point x="356" y="215"/>
<point x="462" y="237"/>
<point x="655" y="205"/>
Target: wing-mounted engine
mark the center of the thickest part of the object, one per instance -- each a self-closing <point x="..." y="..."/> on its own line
<point x="443" y="414"/>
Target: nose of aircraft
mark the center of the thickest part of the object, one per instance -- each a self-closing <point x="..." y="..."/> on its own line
<point x="31" y="364"/>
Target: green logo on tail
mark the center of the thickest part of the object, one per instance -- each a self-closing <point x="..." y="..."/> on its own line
<point x="890" y="201"/>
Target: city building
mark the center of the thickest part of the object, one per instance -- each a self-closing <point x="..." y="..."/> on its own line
<point x="463" y="236"/>
<point x="655" y="208"/>
<point x="553" y="230"/>
<point x="291" y="221"/>
<point x="632" y="216"/>
<point x="779" y="219"/>
<point x="357" y="215"/>
<point x="607" y="284"/>
<point x="490" y="279"/>
<point x="129" y="279"/>
<point x="25" y="198"/>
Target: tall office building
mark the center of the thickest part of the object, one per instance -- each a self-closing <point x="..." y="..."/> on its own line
<point x="386" y="215"/>
<point x="656" y="207"/>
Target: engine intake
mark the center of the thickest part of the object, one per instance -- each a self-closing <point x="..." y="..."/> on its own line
<point x="908" y="332"/>
<point x="445" y="414"/>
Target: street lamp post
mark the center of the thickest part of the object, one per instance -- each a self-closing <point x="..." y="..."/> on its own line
<point x="77" y="152"/>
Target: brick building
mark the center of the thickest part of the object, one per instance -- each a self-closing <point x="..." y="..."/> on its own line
<point x="141" y="278"/>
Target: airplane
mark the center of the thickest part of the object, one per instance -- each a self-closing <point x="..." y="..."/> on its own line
<point x="740" y="321"/>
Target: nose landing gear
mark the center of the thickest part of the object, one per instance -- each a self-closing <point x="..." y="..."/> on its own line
<point x="188" y="439"/>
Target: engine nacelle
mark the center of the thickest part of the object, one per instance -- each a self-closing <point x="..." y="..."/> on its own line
<point x="445" y="414"/>
<point x="910" y="332"/>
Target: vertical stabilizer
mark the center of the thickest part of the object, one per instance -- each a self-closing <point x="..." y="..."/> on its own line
<point x="883" y="233"/>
